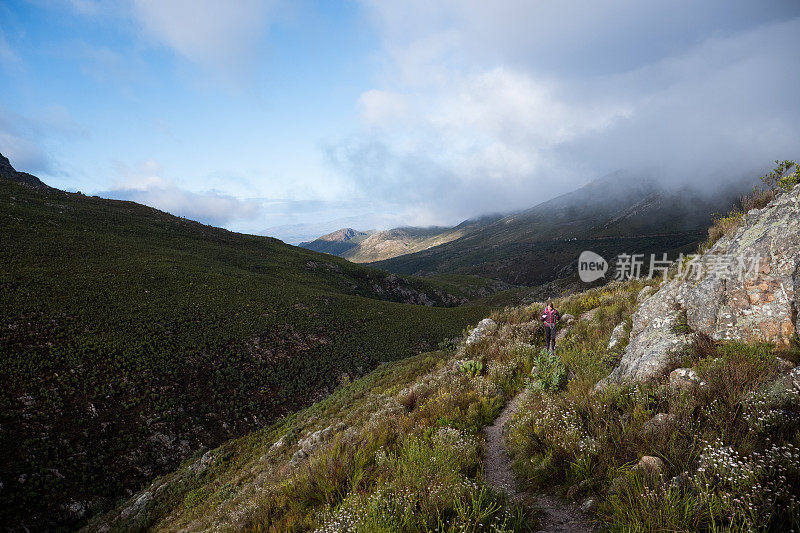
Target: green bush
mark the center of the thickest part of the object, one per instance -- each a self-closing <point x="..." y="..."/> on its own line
<point x="781" y="176"/>
<point x="472" y="368"/>
<point x="549" y="373"/>
<point x="196" y="497"/>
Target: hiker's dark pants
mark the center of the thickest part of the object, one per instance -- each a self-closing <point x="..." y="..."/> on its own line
<point x="550" y="338"/>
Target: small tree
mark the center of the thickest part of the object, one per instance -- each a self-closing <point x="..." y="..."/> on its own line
<point x="782" y="175"/>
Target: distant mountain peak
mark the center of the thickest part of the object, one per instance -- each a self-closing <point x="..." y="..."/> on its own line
<point x="336" y="242"/>
<point x="10" y="173"/>
<point x="341" y="235"/>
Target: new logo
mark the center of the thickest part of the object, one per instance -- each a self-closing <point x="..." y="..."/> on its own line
<point x="591" y="266"/>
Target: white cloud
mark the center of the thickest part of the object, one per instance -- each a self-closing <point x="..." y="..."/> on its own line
<point x="379" y="108"/>
<point x="219" y="34"/>
<point x="496" y="106"/>
<point x="145" y="184"/>
<point x="27" y="140"/>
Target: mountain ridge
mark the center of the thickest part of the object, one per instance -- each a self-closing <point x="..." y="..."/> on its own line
<point x="8" y="172"/>
<point x="618" y="213"/>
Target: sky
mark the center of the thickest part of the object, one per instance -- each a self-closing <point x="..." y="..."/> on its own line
<point x="295" y="118"/>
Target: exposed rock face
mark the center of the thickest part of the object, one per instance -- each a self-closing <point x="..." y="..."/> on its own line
<point x="485" y="327"/>
<point x="685" y="379"/>
<point x="644" y="293"/>
<point x="8" y="172"/>
<point x="313" y="441"/>
<point x="617" y="336"/>
<point x="744" y="288"/>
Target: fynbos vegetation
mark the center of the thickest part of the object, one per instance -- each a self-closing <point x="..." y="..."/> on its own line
<point x="130" y="338"/>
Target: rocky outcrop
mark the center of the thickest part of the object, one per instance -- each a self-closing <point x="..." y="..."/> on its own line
<point x="484" y="328"/>
<point x="617" y="337"/>
<point x="8" y="172"/>
<point x="313" y="441"/>
<point x="744" y="288"/>
<point x="685" y="379"/>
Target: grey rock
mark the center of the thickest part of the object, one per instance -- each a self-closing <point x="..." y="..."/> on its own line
<point x="77" y="509"/>
<point x="783" y="366"/>
<point x="649" y="465"/>
<point x="202" y="464"/>
<point x="568" y="318"/>
<point x="277" y="445"/>
<point x="653" y="341"/>
<point x="298" y="456"/>
<point x="644" y="293"/>
<point x="617" y="336"/>
<point x="485" y="327"/>
<point x="791" y="380"/>
<point x="589" y="505"/>
<point x="724" y="295"/>
<point x="313" y="441"/>
<point x="685" y="379"/>
<point x="660" y="423"/>
<point x="310" y="442"/>
<point x="138" y="505"/>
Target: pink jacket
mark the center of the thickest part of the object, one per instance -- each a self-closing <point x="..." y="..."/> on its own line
<point x="550" y="317"/>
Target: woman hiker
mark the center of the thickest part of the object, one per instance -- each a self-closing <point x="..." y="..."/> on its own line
<point x="550" y="316"/>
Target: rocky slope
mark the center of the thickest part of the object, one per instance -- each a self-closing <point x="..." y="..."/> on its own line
<point x="744" y="288"/>
<point x="366" y="247"/>
<point x="9" y="173"/>
<point x="337" y="242"/>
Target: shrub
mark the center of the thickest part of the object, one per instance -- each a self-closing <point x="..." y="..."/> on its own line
<point x="782" y="176"/>
<point x="196" y="497"/>
<point x="472" y="368"/>
<point x="549" y="373"/>
<point x="722" y="225"/>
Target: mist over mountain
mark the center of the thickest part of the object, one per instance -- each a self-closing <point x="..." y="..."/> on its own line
<point x="619" y="213"/>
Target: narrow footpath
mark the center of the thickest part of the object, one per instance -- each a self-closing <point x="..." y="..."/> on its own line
<point x="557" y="515"/>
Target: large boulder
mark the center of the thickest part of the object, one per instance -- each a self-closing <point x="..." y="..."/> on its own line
<point x="484" y="328"/>
<point x="744" y="288"/>
<point x="655" y="339"/>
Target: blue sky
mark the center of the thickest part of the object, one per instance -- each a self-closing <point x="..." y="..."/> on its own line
<point x="295" y="118"/>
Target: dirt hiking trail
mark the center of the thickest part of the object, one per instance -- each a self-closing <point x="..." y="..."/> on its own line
<point x="557" y="515"/>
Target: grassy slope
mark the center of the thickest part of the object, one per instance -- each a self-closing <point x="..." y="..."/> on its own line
<point x="129" y="337"/>
<point x="393" y="452"/>
<point x="406" y="458"/>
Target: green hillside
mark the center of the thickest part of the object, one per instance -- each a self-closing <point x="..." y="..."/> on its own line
<point x="130" y="338"/>
<point x="612" y="215"/>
